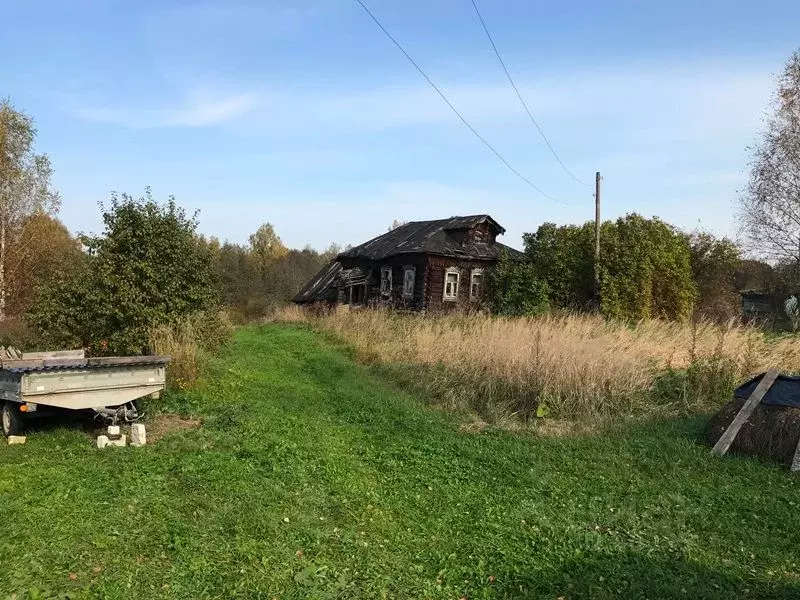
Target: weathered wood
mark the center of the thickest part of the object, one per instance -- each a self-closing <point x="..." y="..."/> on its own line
<point x="65" y="362"/>
<point x="796" y="460"/>
<point x="22" y="364"/>
<point x="726" y="439"/>
<point x="128" y="360"/>
<point x="54" y="354"/>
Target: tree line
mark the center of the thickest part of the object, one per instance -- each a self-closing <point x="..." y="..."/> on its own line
<point x="648" y="269"/>
<point x="150" y="266"/>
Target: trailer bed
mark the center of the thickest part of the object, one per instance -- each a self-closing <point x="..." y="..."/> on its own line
<point x="67" y="380"/>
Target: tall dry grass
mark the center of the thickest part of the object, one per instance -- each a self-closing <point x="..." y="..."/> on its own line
<point x="191" y="343"/>
<point x="567" y="366"/>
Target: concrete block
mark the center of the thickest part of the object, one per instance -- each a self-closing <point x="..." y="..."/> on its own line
<point x="121" y="441"/>
<point x="138" y="435"/>
<point x="114" y="431"/>
<point x="17" y="439"/>
<point x="102" y="441"/>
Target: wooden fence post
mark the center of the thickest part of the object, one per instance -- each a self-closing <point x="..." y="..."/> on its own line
<point x="796" y="461"/>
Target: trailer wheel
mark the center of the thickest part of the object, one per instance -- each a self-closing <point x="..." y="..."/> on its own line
<point x="11" y="418"/>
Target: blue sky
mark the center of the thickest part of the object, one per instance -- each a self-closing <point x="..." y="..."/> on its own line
<point x="303" y="114"/>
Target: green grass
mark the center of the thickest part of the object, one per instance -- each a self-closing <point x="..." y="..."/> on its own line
<point x="303" y="450"/>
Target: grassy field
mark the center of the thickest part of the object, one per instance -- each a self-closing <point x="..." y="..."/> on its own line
<point x="312" y="477"/>
<point x="578" y="367"/>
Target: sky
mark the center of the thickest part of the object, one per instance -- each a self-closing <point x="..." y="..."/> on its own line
<point x="302" y="113"/>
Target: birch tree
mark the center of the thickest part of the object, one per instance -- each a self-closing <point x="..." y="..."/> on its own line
<point x="24" y="185"/>
<point x="770" y="206"/>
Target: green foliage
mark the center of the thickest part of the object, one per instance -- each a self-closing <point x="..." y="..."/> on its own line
<point x="148" y="268"/>
<point x="645" y="270"/>
<point x="645" y="267"/>
<point x="563" y="257"/>
<point x="715" y="264"/>
<point x="25" y="191"/>
<point x="252" y="287"/>
<point x="312" y="478"/>
<point x="515" y="289"/>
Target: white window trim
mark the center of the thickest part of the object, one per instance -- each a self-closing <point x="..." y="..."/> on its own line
<point x="386" y="275"/>
<point x="406" y="270"/>
<point x="472" y="275"/>
<point x="447" y="272"/>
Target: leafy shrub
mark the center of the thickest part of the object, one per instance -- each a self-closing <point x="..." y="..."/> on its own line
<point x="646" y="268"/>
<point x="515" y="289"/>
<point x="148" y="268"/>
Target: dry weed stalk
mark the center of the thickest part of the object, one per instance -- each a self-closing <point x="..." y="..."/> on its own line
<point x="578" y="365"/>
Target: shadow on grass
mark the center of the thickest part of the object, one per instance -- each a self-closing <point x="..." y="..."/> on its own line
<point x="638" y="576"/>
<point x="51" y="419"/>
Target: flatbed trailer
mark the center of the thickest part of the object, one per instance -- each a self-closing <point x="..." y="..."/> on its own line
<point x="68" y="380"/>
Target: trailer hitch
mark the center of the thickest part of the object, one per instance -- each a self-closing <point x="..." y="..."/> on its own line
<point x="127" y="413"/>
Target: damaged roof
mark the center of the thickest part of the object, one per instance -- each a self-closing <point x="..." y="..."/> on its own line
<point x="321" y="285"/>
<point x="419" y="237"/>
<point x="432" y="237"/>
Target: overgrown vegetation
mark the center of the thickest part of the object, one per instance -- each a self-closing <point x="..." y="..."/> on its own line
<point x="312" y="478"/>
<point x="191" y="341"/>
<point x="147" y="269"/>
<point x="263" y="276"/>
<point x="648" y="269"/>
<point x="565" y="366"/>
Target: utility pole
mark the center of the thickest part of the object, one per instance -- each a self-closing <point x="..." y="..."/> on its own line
<point x="597" y="179"/>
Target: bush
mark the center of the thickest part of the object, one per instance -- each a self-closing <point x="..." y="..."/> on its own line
<point x="645" y="268"/>
<point x="149" y="268"/>
<point x="514" y="289"/>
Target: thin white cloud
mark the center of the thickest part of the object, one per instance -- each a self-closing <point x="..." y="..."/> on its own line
<point x="195" y="113"/>
<point x="649" y="101"/>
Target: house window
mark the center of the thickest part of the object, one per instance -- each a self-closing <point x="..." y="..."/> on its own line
<point x="409" y="275"/>
<point x="476" y="284"/>
<point x="386" y="281"/>
<point x="451" y="284"/>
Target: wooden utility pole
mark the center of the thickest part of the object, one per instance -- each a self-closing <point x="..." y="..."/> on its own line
<point x="597" y="179"/>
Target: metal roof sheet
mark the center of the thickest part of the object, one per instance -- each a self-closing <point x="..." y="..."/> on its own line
<point x="59" y="364"/>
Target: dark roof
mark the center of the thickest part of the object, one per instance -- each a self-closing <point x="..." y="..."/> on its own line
<point x="431" y="237"/>
<point x="321" y="286"/>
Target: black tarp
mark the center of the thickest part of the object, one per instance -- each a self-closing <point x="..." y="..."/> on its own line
<point x="785" y="391"/>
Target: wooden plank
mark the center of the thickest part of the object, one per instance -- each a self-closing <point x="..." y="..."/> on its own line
<point x="22" y="364"/>
<point x="128" y="360"/>
<point x="65" y="362"/>
<point x="796" y="461"/>
<point x="54" y="354"/>
<point x="726" y="439"/>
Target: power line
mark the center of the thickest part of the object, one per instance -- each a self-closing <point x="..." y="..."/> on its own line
<point x="453" y="108"/>
<point x="519" y="95"/>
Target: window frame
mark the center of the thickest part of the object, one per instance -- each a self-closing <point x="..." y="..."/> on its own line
<point x="473" y="274"/>
<point x="386" y="278"/>
<point x="409" y="294"/>
<point x="451" y="271"/>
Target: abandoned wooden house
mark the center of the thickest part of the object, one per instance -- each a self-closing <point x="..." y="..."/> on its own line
<point x="426" y="265"/>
